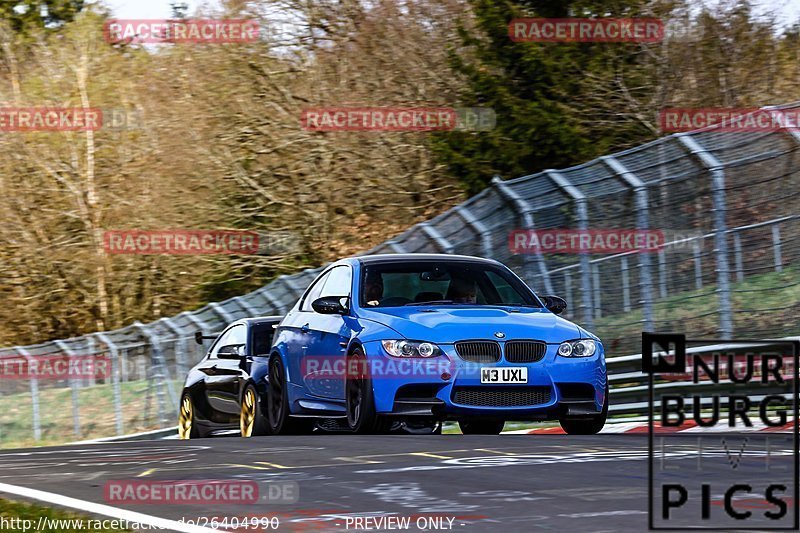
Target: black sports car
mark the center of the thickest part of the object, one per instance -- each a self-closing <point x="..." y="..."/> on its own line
<point x="226" y="389"/>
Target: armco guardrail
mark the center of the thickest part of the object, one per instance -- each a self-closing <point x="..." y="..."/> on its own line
<point x="734" y="194"/>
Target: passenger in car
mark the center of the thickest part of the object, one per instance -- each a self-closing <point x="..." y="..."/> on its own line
<point x="462" y="291"/>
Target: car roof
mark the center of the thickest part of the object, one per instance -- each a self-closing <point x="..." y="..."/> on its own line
<point x="261" y="319"/>
<point x="392" y="258"/>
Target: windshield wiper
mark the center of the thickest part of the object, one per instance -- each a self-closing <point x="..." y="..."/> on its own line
<point x="432" y="302"/>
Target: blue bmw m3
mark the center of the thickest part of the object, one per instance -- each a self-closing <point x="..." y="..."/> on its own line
<point x="426" y="338"/>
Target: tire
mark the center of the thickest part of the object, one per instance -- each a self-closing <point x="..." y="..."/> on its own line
<point x="360" y="398"/>
<point x="587" y="426"/>
<point x="279" y="420"/>
<point x="187" y="425"/>
<point x="481" y="427"/>
<point x="251" y="418"/>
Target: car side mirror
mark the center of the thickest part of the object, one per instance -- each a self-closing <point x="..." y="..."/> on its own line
<point x="330" y="305"/>
<point x="555" y="304"/>
<point x="231" y="351"/>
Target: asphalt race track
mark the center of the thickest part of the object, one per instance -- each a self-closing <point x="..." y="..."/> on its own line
<point x="483" y="483"/>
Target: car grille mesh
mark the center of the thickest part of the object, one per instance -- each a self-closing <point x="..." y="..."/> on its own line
<point x="501" y="396"/>
<point x="479" y="351"/>
<point x="525" y="351"/>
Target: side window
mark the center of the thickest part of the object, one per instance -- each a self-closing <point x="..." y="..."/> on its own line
<point x="313" y="292"/>
<point x="221" y="341"/>
<point x="338" y="283"/>
<point x="236" y="335"/>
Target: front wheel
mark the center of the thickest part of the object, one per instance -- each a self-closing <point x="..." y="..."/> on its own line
<point x="360" y="399"/>
<point x="587" y="426"/>
<point x="481" y="427"/>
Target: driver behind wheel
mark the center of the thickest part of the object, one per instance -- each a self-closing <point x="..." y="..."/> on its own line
<point x="373" y="289"/>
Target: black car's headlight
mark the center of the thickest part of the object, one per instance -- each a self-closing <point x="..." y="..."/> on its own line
<point x="404" y="348"/>
<point x="579" y="348"/>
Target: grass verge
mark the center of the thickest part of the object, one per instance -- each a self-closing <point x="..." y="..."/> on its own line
<point x="23" y="517"/>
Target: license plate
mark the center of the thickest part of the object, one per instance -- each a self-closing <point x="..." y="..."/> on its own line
<point x="508" y="374"/>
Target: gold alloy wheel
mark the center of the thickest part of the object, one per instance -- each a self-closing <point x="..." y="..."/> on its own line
<point x="185" y="419"/>
<point x="248" y="417"/>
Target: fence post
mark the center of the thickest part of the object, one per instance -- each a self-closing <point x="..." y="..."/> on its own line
<point x="180" y="345"/>
<point x="524" y="210"/>
<point x="643" y="223"/>
<point x="433" y="235"/>
<point x="478" y="227"/>
<point x="287" y="280"/>
<point x="698" y="266"/>
<point x="568" y="288"/>
<point x="276" y="304"/>
<point x="115" y="374"/>
<point x="163" y="375"/>
<point x="221" y="311"/>
<point x="37" y="423"/>
<point x="90" y="350"/>
<point x="73" y="385"/>
<point x="737" y="256"/>
<point x="249" y="309"/>
<point x="776" y="247"/>
<point x="715" y="167"/>
<point x="396" y="246"/>
<point x="598" y="304"/>
<point x="583" y="224"/>
<point x="626" y="289"/>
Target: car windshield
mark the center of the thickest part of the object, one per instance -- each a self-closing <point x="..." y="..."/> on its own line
<point x="442" y="283"/>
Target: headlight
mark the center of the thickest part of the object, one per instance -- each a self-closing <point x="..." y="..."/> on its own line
<point x="581" y="348"/>
<point x="404" y="348"/>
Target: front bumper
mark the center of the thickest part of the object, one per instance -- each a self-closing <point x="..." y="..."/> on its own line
<point x="448" y="387"/>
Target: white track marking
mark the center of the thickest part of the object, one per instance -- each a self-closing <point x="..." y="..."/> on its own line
<point x="104" y="510"/>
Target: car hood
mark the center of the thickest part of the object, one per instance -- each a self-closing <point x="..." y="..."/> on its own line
<point x="448" y="324"/>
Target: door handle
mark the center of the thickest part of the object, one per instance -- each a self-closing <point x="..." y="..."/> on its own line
<point x="305" y="328"/>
